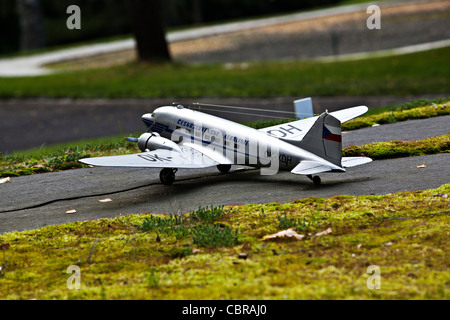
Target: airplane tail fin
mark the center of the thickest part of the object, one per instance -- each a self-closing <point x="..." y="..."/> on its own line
<point x="324" y="139"/>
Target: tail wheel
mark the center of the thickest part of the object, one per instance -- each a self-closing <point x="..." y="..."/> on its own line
<point x="224" y="168"/>
<point x="167" y="176"/>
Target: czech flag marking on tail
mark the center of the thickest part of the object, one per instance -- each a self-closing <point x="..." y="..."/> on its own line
<point x="332" y="133"/>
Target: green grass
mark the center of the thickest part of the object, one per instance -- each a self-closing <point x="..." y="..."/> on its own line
<point x="62" y="156"/>
<point x="411" y="74"/>
<point x="405" y="234"/>
<point x="419" y="109"/>
<point x="400" y="149"/>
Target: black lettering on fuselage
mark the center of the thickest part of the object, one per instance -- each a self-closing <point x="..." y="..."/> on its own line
<point x="282" y="132"/>
<point x="290" y="128"/>
<point x="277" y="135"/>
<point x="287" y="160"/>
<point x="154" y="158"/>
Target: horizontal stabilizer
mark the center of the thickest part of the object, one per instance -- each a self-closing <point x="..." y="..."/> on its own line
<point x="296" y="130"/>
<point x="348" y="162"/>
<point x="313" y="167"/>
<point x="345" y="115"/>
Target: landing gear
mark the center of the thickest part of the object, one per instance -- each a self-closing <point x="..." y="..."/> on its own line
<point x="224" y="168"/>
<point x="316" y="179"/>
<point x="167" y="176"/>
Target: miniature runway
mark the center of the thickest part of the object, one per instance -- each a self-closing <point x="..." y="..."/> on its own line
<point x="34" y="201"/>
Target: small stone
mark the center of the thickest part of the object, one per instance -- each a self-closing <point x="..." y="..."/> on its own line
<point x="243" y="256"/>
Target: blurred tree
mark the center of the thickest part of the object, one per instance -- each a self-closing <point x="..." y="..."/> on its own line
<point x="147" y="21"/>
<point x="9" y="27"/>
<point x="220" y="10"/>
<point x="31" y="27"/>
<point x="197" y="15"/>
<point x="100" y="19"/>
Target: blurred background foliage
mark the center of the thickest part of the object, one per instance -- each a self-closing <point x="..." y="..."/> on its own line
<point x="110" y="18"/>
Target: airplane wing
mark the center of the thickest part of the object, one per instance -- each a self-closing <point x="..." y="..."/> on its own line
<point x="188" y="158"/>
<point x="214" y="153"/>
<point x="296" y="130"/>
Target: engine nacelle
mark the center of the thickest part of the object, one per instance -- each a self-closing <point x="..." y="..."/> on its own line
<point x="152" y="141"/>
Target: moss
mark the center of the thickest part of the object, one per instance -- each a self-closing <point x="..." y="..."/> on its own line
<point x="41" y="161"/>
<point x="406" y="234"/>
<point x="398" y="149"/>
<point x="414" y="110"/>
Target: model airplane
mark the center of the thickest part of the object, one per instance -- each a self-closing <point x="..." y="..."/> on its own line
<point x="179" y="137"/>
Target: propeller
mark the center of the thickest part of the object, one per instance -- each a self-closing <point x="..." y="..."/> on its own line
<point x="149" y="130"/>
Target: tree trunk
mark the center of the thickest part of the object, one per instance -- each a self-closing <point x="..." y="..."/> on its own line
<point x="31" y="27"/>
<point x="197" y="15"/>
<point x="148" y="28"/>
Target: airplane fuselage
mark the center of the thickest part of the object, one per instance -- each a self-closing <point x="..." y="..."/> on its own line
<point x="238" y="143"/>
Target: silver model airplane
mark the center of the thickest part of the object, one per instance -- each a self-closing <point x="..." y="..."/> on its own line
<point x="179" y="137"/>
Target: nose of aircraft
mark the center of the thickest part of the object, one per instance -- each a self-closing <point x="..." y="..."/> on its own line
<point x="148" y="119"/>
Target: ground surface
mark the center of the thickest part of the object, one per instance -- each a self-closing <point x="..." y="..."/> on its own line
<point x="38" y="200"/>
<point x="34" y="201"/>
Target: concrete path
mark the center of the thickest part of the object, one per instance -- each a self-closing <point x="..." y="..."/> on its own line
<point x="34" y="201"/>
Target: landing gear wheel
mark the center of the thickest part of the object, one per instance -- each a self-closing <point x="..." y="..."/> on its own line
<point x="316" y="179"/>
<point x="224" y="168"/>
<point x="167" y="176"/>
